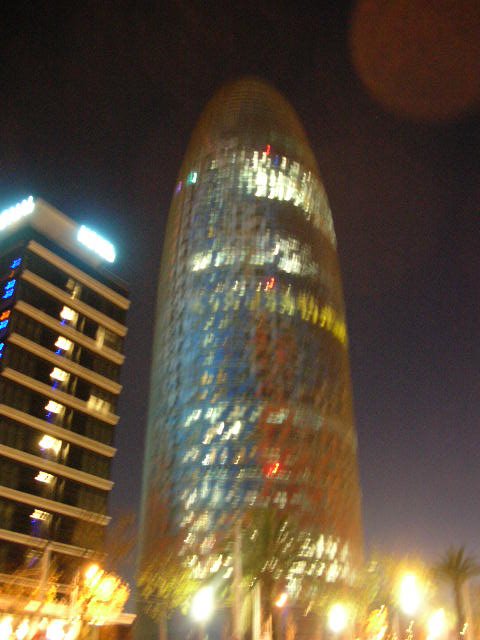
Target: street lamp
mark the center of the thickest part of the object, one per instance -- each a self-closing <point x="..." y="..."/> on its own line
<point x="338" y="618"/>
<point x="410" y="594"/>
<point x="437" y="624"/>
<point x="203" y="606"/>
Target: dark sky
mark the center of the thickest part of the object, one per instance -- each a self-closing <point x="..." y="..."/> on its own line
<point x="98" y="103"/>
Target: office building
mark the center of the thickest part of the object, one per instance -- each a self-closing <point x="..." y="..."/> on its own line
<point x="250" y="400"/>
<point x="62" y="330"/>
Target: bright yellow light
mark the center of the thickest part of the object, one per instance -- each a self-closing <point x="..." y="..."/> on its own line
<point x="55" y="630"/>
<point x="410" y="594"/>
<point x="106" y="588"/>
<point x="92" y="574"/>
<point x="38" y="514"/>
<point x="437" y="624"/>
<point x="50" y="443"/>
<point x="43" y="476"/>
<point x="68" y="314"/>
<point x="281" y="600"/>
<point x="338" y="618"/>
<point x="59" y="374"/>
<point x="6" y="627"/>
<point x="63" y="343"/>
<point x="22" y="630"/>
<point x="54" y="407"/>
<point x="202" y="604"/>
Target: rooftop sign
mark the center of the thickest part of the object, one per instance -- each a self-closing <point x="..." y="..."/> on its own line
<point x="13" y="214"/>
<point x="96" y="243"/>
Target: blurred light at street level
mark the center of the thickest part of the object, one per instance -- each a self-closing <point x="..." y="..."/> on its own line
<point x="6" y="628"/>
<point x="55" y="630"/>
<point x="338" y="618"/>
<point x="202" y="604"/>
<point x="437" y="624"/>
<point x="22" y="630"/>
<point x="410" y="594"/>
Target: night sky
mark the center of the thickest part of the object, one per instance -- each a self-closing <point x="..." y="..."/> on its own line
<point x="98" y="102"/>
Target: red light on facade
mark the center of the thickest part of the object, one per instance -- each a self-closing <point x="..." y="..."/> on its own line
<point x="272" y="469"/>
<point x="270" y="284"/>
<point x="267" y="149"/>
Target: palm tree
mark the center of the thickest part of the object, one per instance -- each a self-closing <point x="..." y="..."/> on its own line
<point x="457" y="568"/>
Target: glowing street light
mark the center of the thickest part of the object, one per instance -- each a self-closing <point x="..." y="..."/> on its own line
<point x="203" y="604"/>
<point x="338" y="618"/>
<point x="410" y="594"/>
<point x="437" y="624"/>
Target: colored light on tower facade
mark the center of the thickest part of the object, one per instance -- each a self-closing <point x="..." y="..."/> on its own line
<point x="251" y="400"/>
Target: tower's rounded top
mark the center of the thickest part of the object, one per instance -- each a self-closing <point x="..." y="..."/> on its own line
<point x="250" y="112"/>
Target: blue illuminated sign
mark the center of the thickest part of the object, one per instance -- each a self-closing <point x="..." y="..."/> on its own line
<point x="4" y="324"/>
<point x="8" y="289"/>
<point x="2" y="347"/>
<point x="16" y="263"/>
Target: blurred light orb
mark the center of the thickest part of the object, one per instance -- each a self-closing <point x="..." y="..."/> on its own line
<point x="55" y="630"/>
<point x="22" y="629"/>
<point x="203" y="604"/>
<point x="281" y="600"/>
<point x="420" y="60"/>
<point x="106" y="588"/>
<point x="337" y="618"/>
<point x="6" y="627"/>
<point x="437" y="624"/>
<point x="91" y="573"/>
<point x="410" y="595"/>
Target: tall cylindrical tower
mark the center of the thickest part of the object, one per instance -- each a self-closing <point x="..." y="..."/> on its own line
<point x="250" y="399"/>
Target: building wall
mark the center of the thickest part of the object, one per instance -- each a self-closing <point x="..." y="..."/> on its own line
<point x="62" y="335"/>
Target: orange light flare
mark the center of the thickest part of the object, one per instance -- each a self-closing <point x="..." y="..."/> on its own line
<point x="281" y="600"/>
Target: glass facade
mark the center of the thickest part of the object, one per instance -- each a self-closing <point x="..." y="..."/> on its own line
<point x="62" y="330"/>
<point x="250" y="399"/>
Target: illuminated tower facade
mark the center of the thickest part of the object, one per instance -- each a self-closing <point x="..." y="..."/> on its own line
<point x="250" y="397"/>
<point x="62" y="328"/>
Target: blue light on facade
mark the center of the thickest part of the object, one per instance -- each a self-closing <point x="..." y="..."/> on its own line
<point x="9" y="289"/>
